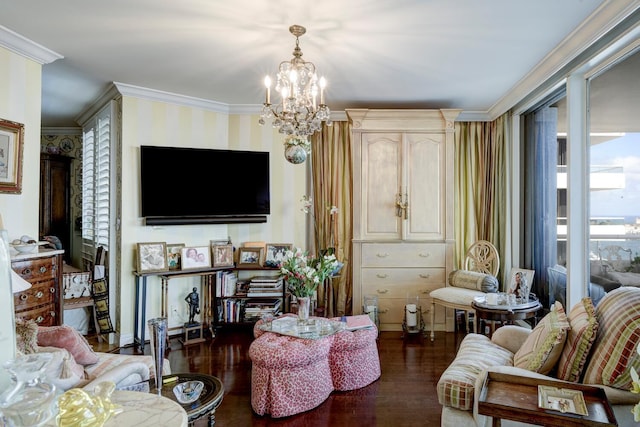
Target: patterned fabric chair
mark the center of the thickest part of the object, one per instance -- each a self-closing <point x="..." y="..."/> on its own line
<point x="354" y="359"/>
<point x="289" y="375"/>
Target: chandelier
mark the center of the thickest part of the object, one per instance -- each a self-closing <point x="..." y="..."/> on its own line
<point x="301" y="109"/>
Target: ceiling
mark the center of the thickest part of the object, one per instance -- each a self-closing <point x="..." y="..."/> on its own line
<point x="466" y="54"/>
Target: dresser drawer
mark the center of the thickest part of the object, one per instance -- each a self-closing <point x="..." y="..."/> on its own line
<point x="43" y="316"/>
<point x="401" y="282"/>
<point x="38" y="294"/>
<point x="36" y="270"/>
<point x="403" y="255"/>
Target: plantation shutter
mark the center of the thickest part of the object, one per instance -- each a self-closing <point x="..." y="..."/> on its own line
<point x="96" y="191"/>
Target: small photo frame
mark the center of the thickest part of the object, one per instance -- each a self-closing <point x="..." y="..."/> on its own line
<point x="195" y="257"/>
<point x="514" y="278"/>
<point x="222" y="255"/>
<point x="11" y="147"/>
<point x="250" y="257"/>
<point x="152" y="257"/>
<point x="174" y="254"/>
<point x="275" y="253"/>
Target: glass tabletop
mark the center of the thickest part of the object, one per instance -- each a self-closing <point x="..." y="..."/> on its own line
<point x="314" y="328"/>
<point x="503" y="304"/>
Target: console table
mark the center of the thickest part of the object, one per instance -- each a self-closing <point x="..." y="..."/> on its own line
<point x="140" y="308"/>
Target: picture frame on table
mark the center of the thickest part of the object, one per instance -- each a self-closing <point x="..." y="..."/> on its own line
<point x="174" y="255"/>
<point x="195" y="257"/>
<point x="514" y="278"/>
<point x="11" y="148"/>
<point x="152" y="257"/>
<point x="222" y="254"/>
<point x="275" y="253"/>
<point x="250" y="257"/>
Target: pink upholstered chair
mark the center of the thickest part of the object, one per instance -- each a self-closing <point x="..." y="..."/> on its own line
<point x="289" y="375"/>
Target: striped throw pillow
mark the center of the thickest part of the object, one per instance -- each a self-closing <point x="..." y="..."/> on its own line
<point x="614" y="351"/>
<point x="542" y="348"/>
<point x="580" y="338"/>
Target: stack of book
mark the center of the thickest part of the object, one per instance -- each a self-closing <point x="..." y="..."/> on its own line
<point x="226" y="283"/>
<point x="265" y="286"/>
<point x="256" y="308"/>
<point x="230" y="310"/>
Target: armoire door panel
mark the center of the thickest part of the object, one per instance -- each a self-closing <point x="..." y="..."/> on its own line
<point x="381" y="181"/>
<point x="425" y="160"/>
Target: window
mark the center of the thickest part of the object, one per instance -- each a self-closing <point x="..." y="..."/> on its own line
<point x="96" y="183"/>
<point x="614" y="161"/>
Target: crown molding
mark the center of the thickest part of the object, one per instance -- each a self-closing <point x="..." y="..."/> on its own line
<point x="109" y="94"/>
<point x="27" y="48"/>
<point x="474" y="116"/>
<point x="604" y="19"/>
<point x="61" y="131"/>
<point x="173" y="98"/>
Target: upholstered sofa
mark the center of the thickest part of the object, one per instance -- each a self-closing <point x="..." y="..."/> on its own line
<point x="74" y="364"/>
<point x="590" y="345"/>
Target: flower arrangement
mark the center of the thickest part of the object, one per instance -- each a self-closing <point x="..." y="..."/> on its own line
<point x="636" y="389"/>
<point x="303" y="142"/>
<point x="304" y="273"/>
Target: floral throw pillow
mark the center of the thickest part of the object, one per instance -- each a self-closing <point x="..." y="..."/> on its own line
<point x="542" y="348"/>
<point x="26" y="336"/>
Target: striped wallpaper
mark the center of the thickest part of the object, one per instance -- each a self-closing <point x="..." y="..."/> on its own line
<point x="148" y="122"/>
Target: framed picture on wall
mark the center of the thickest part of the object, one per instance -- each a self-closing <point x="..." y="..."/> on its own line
<point x="222" y="255"/>
<point x="250" y="257"/>
<point x="195" y="257"/>
<point x="275" y="253"/>
<point x="11" y="147"/>
<point x="174" y="254"/>
<point x="152" y="257"/>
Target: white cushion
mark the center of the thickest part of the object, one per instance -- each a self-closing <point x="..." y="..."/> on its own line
<point x="453" y="295"/>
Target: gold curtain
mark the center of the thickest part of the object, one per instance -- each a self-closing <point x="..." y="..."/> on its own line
<point x="481" y="185"/>
<point x="332" y="186"/>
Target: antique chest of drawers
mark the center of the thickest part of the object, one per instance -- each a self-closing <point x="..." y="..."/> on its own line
<point x="43" y="301"/>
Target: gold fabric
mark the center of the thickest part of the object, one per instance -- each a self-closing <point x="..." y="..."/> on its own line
<point x="331" y="170"/>
<point x="481" y="185"/>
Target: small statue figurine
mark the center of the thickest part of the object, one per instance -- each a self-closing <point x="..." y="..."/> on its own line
<point x="193" y="300"/>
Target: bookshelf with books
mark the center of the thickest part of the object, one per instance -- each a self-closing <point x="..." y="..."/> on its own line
<point x="244" y="295"/>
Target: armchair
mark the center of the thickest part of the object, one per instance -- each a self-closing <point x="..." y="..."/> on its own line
<point x="614" y="258"/>
<point x="75" y="364"/>
<point x="482" y="257"/>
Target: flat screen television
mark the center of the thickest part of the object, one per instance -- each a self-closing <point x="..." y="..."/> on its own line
<point x="203" y="186"/>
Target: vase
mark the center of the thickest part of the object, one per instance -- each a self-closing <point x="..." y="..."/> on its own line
<point x="30" y="400"/>
<point x="158" y="344"/>
<point x="304" y="304"/>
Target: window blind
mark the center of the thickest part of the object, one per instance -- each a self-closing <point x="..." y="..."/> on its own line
<point x="96" y="162"/>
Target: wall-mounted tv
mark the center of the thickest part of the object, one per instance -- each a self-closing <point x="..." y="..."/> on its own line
<point x="203" y="186"/>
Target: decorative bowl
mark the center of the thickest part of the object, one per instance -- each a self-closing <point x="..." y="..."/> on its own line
<point x="188" y="391"/>
<point x="25" y="248"/>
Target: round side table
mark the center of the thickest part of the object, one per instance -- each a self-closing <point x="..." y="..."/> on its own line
<point x="209" y="399"/>
<point x="504" y="313"/>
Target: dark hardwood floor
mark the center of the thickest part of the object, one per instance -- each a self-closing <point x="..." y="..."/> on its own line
<point x="405" y="394"/>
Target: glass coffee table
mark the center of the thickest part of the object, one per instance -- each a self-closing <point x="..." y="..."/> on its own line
<point x="504" y="313"/>
<point x="209" y="399"/>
